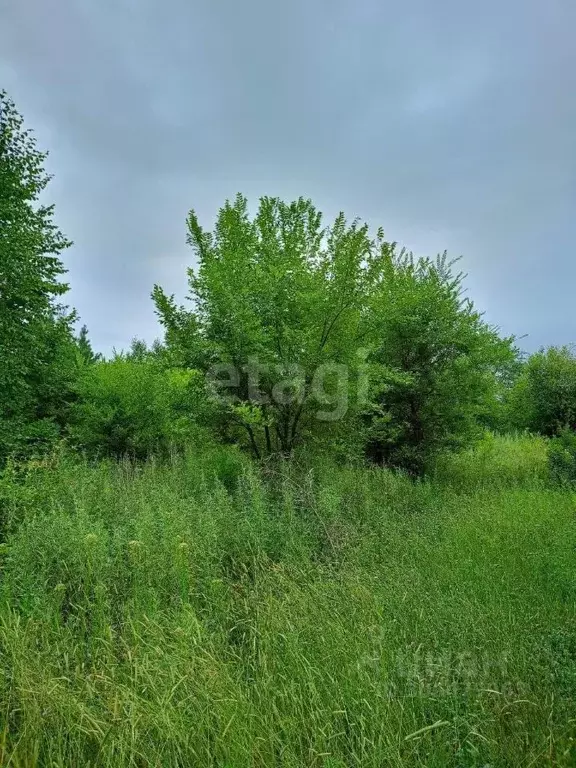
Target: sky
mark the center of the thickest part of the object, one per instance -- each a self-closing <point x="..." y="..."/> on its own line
<point x="450" y="124"/>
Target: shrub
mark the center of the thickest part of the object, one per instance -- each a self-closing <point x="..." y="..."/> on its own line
<point x="438" y="364"/>
<point x="562" y="457"/>
<point x="544" y="397"/>
<point x="136" y="408"/>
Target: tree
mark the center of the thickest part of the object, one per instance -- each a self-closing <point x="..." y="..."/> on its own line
<point x="311" y="329"/>
<point x="437" y="363"/>
<point x="85" y="347"/>
<point x="36" y="359"/>
<point x="544" y="397"/>
<point x="277" y="307"/>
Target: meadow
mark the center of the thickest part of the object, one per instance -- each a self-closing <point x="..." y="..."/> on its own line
<point x="210" y="611"/>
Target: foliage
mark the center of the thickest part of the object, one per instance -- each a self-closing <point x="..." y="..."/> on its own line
<point x="207" y="610"/>
<point x="439" y="363"/>
<point x="136" y="408"/>
<point x="495" y="461"/>
<point x="277" y="305"/>
<point x="562" y="457"/>
<point x="37" y="361"/>
<point x="544" y="397"/>
<point x="306" y="617"/>
<point x="303" y="323"/>
<point x="87" y="354"/>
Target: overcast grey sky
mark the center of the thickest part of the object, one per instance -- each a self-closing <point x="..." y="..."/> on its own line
<point x="451" y="124"/>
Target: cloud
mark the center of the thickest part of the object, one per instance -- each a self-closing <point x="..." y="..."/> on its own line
<point x="451" y="125"/>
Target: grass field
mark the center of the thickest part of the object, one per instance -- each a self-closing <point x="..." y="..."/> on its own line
<point x="210" y="613"/>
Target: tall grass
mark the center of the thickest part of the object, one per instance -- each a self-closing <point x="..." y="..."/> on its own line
<point x="496" y="461"/>
<point x="210" y="613"/>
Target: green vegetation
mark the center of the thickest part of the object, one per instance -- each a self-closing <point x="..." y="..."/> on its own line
<point x="37" y="359"/>
<point x="135" y="408"/>
<point x="209" y="613"/>
<point x="543" y="398"/>
<point x="562" y="457"/>
<point x="328" y="520"/>
<point x="438" y="365"/>
<point x="314" y="328"/>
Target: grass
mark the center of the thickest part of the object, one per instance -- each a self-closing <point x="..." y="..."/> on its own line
<point x="496" y="461"/>
<point x="208" y="613"/>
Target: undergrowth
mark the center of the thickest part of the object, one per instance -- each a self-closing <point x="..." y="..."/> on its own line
<point x="207" y="612"/>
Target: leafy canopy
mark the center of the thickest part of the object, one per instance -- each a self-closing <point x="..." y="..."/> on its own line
<point x="310" y="328"/>
<point x="277" y="300"/>
<point x="437" y="363"/>
<point x="35" y="337"/>
<point x="543" y="398"/>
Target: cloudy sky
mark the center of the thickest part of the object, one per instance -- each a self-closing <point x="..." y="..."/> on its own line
<point x="451" y="124"/>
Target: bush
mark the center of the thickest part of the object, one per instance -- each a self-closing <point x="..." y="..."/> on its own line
<point x="136" y="408"/>
<point x="562" y="457"/>
<point x="437" y="364"/>
<point x="543" y="398"/>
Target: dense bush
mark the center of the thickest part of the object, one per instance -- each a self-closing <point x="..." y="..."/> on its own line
<point x="437" y="364"/>
<point x="136" y="408"/>
<point x="562" y="457"/>
<point x="543" y="398"/>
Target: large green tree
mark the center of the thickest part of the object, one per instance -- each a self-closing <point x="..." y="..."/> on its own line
<point x="437" y="363"/>
<point x="277" y="303"/>
<point x="37" y="353"/>
<point x="313" y="329"/>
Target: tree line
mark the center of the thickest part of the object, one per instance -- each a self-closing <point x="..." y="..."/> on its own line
<point x="298" y="335"/>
